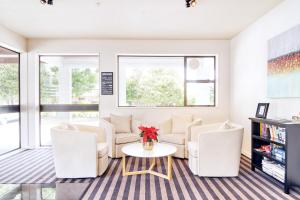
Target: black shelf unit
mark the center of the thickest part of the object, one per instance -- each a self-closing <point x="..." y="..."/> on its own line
<point x="291" y="147"/>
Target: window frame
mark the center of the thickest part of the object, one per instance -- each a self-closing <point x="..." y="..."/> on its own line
<point x="185" y="57"/>
<point x="69" y="108"/>
<point x="7" y="109"/>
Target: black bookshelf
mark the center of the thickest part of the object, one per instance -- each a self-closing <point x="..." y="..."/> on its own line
<point x="291" y="146"/>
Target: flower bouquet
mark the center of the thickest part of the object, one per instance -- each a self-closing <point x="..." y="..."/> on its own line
<point x="148" y="135"/>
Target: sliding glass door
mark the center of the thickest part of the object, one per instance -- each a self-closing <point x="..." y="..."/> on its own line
<point x="9" y="100"/>
<point x="69" y="92"/>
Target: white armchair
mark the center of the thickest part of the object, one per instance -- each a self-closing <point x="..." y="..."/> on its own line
<point x="176" y="131"/>
<point x="215" y="150"/>
<point x="120" y="130"/>
<point x="79" y="151"/>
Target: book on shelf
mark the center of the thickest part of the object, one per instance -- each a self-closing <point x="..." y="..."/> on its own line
<point x="275" y="170"/>
<point x="273" y="132"/>
<point x="276" y="151"/>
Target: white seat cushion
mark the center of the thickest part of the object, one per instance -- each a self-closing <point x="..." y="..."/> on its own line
<point x="180" y="123"/>
<point x="123" y="138"/>
<point x="172" y="138"/>
<point x="102" y="149"/>
<point x="122" y="124"/>
<point x="193" y="150"/>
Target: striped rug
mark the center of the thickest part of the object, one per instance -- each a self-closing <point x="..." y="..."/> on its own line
<point x="36" y="166"/>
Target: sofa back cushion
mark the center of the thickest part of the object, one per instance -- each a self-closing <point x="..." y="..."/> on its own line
<point x="180" y="123"/>
<point x="122" y="123"/>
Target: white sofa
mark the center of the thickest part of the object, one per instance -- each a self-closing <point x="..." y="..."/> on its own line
<point x="79" y="151"/>
<point x="176" y="131"/>
<point x="215" y="150"/>
<point x="120" y="130"/>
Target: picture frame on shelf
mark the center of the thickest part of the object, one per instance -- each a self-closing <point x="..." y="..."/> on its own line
<point x="262" y="110"/>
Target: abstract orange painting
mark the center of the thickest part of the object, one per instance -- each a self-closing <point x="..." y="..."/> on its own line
<point x="284" y="64"/>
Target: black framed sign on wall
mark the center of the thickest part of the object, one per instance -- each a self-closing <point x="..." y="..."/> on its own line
<point x="107" y="83"/>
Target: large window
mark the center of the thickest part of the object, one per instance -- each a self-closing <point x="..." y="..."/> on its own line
<point x="166" y="81"/>
<point x="9" y="100"/>
<point x="69" y="92"/>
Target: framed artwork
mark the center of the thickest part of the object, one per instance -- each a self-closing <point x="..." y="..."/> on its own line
<point x="107" y="83"/>
<point x="262" y="110"/>
<point x="284" y="65"/>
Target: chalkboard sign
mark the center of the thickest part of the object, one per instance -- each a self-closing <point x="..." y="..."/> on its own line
<point x="107" y="87"/>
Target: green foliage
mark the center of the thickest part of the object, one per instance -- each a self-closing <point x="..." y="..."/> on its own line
<point x="82" y="81"/>
<point x="9" y="82"/>
<point x="155" y="87"/>
<point x="49" y="84"/>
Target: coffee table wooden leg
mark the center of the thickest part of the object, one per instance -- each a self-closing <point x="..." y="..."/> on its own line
<point x="169" y="167"/>
<point x="124" y="165"/>
<point x="152" y="164"/>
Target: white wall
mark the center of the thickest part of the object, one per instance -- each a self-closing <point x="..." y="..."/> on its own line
<point x="12" y="40"/>
<point x="249" y="68"/>
<point x="109" y="49"/>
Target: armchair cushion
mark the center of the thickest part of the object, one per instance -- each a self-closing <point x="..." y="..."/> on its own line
<point x="102" y="149"/>
<point x="180" y="123"/>
<point x="123" y="138"/>
<point x="172" y="138"/>
<point x="122" y="124"/>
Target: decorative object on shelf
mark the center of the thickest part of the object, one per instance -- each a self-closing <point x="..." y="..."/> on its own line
<point x="48" y="2"/>
<point x="262" y="110"/>
<point x="190" y="3"/>
<point x="284" y="64"/>
<point x="296" y="117"/>
<point x="148" y="136"/>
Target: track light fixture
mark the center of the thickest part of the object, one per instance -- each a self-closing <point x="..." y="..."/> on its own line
<point x="49" y="2"/>
<point x="190" y="3"/>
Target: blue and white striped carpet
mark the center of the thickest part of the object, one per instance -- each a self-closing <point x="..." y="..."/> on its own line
<point x="36" y="166"/>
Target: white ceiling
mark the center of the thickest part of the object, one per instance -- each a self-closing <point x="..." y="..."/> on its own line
<point x="132" y="19"/>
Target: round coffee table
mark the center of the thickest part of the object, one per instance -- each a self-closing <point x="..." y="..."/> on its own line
<point x="159" y="150"/>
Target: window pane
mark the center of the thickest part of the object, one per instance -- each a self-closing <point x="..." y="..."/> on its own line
<point x="69" y="79"/>
<point x="202" y="68"/>
<point x="9" y="77"/>
<point x="51" y="119"/>
<point x="9" y="132"/>
<point x="9" y="99"/>
<point x="151" y="81"/>
<point x="200" y="93"/>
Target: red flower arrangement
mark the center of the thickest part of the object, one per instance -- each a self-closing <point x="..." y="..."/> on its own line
<point x="148" y="133"/>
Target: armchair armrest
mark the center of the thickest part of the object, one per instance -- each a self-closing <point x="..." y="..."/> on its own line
<point x="165" y="127"/>
<point x="196" y="122"/>
<point x="75" y="153"/>
<point x="109" y="135"/>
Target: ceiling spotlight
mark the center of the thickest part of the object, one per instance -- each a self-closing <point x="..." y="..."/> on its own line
<point x="49" y="2"/>
<point x="190" y="3"/>
<point x="194" y="2"/>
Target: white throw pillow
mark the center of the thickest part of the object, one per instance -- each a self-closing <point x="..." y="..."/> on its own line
<point x="180" y="123"/>
<point x="226" y="125"/>
<point x="122" y="123"/>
